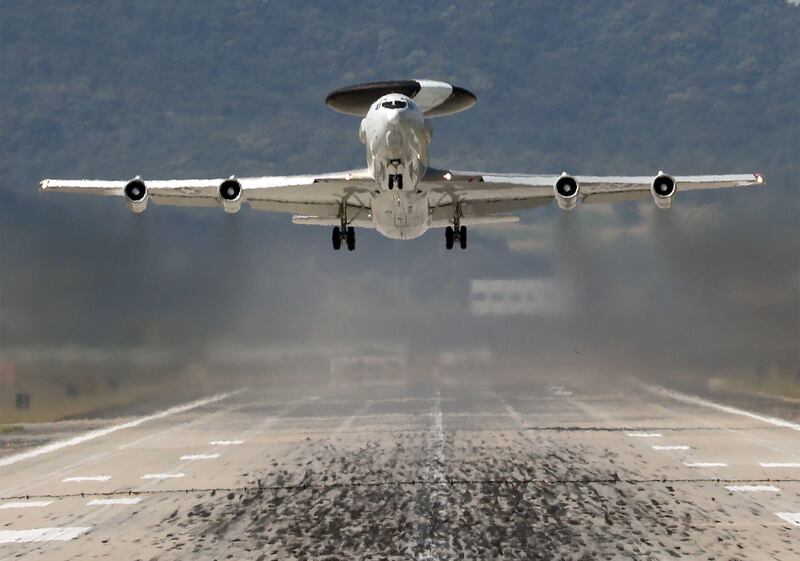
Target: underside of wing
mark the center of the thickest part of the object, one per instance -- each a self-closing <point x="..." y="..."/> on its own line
<point x="481" y="193"/>
<point x="318" y="195"/>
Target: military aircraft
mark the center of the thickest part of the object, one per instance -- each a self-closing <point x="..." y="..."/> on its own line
<point x="399" y="194"/>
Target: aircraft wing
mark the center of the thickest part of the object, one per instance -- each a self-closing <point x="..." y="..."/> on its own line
<point x="482" y="194"/>
<point x="308" y="195"/>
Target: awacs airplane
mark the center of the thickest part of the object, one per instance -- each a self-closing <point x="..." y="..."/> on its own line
<point x="398" y="193"/>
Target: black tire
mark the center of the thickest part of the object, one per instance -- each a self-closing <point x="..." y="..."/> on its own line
<point x="337" y="238"/>
<point x="399" y="180"/>
<point x="351" y="238"/>
<point x="462" y="237"/>
<point x="449" y="237"/>
<point x="391" y="181"/>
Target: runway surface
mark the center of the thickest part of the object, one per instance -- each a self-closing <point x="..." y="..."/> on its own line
<point x="549" y="470"/>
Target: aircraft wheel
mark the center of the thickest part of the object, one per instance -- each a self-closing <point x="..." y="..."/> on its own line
<point x="449" y="236"/>
<point x="399" y="180"/>
<point x="337" y="238"/>
<point x="351" y="238"/>
<point x="391" y="181"/>
<point x="462" y="237"/>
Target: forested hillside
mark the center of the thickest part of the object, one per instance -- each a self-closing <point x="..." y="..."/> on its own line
<point x="183" y="88"/>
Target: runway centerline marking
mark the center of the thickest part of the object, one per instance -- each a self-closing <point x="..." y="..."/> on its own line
<point x="163" y="475"/>
<point x="686" y="398"/>
<point x="753" y="488"/>
<point x="792" y="518"/>
<point x="42" y="534"/>
<point x="779" y="464"/>
<point x="81" y="478"/>
<point x="705" y="464"/>
<point x="226" y="442"/>
<point x="644" y="434"/>
<point x="199" y="456"/>
<point x="670" y="447"/>
<point x="25" y="504"/>
<point x="116" y="501"/>
<point x="97" y="433"/>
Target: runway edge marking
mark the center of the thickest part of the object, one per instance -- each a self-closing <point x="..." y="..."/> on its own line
<point x="693" y="399"/>
<point x="91" y="435"/>
<point x="42" y="534"/>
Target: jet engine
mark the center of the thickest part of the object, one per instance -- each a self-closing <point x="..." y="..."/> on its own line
<point x="136" y="194"/>
<point x="230" y="193"/>
<point x="663" y="190"/>
<point x="566" y="189"/>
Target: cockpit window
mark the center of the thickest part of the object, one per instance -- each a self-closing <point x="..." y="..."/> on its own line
<point x="397" y="104"/>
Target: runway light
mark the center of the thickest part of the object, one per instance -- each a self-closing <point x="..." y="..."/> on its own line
<point x="448" y="176"/>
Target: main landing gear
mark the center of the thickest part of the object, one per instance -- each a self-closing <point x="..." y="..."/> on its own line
<point x="346" y="234"/>
<point x="452" y="235"/>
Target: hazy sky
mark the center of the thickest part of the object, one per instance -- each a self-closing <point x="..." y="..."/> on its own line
<point x="171" y="91"/>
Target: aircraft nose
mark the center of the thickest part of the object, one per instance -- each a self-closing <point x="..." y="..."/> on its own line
<point x="394" y="117"/>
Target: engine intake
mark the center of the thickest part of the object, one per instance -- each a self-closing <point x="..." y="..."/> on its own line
<point x="230" y="193"/>
<point x="663" y="189"/>
<point x="136" y="194"/>
<point x="566" y="189"/>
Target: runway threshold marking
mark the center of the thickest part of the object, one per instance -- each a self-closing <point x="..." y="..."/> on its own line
<point x="226" y="442"/>
<point x="753" y="488"/>
<point x="199" y="456"/>
<point x="705" y="464"/>
<point x="117" y="501"/>
<point x="25" y="504"/>
<point x="42" y="534"/>
<point x="779" y="464"/>
<point x="670" y="447"/>
<point x="97" y="433"/>
<point x="792" y="518"/>
<point x="644" y="434"/>
<point x="163" y="475"/>
<point x="81" y="478"/>
<point x="686" y="398"/>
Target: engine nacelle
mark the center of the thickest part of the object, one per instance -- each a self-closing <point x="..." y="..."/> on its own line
<point x="136" y="194"/>
<point x="566" y="189"/>
<point x="663" y="189"/>
<point x="230" y="193"/>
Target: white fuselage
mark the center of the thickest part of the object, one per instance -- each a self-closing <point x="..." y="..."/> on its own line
<point x="396" y="136"/>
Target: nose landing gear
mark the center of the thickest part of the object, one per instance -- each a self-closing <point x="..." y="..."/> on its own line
<point x="395" y="180"/>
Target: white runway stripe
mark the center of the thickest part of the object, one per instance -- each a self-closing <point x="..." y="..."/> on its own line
<point x="753" y="488"/>
<point x="199" y="456"/>
<point x="726" y="408"/>
<point x="705" y="464"/>
<point x="226" y="442"/>
<point x="162" y="475"/>
<point x="670" y="447"/>
<point x="644" y="434"/>
<point x="78" y="478"/>
<point x="42" y="534"/>
<point x="779" y="464"/>
<point x="25" y="504"/>
<point x="60" y="444"/>
<point x="792" y="518"/>
<point x="115" y="501"/>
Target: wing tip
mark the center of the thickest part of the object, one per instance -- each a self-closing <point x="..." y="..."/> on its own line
<point x="760" y="179"/>
<point x="44" y="184"/>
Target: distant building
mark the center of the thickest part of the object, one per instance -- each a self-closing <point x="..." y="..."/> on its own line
<point x="508" y="297"/>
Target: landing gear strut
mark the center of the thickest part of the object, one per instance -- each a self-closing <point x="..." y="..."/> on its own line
<point x="456" y="232"/>
<point x="344" y="232"/>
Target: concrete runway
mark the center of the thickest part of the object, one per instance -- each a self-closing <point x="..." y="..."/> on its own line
<point x="555" y="471"/>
